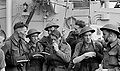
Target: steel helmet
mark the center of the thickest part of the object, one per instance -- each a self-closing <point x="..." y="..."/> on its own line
<point x="51" y="24"/>
<point x="111" y="27"/>
<point x="32" y="31"/>
<point x="86" y="29"/>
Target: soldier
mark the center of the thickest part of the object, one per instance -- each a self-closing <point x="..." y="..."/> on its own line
<point x="111" y="60"/>
<point x="60" y="53"/>
<point x="2" y="56"/>
<point x="73" y="37"/>
<point x="46" y="40"/>
<point x="88" y="53"/>
<point x="15" y="48"/>
<point x="34" y="47"/>
<point x="51" y="27"/>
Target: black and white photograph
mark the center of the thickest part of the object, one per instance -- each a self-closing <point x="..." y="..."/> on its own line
<point x="59" y="35"/>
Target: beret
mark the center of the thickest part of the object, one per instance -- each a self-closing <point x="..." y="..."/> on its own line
<point x="20" y="25"/>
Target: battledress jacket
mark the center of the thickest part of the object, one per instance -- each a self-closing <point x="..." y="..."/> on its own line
<point x="35" y="63"/>
<point x="55" y="58"/>
<point x="90" y="64"/>
<point x="46" y="42"/>
<point x="111" y="58"/>
<point x="14" y="49"/>
<point x="59" y="58"/>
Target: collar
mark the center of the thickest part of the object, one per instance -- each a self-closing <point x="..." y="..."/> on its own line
<point x="113" y="43"/>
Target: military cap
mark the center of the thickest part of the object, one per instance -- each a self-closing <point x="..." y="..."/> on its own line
<point x="32" y="31"/>
<point x="86" y="29"/>
<point x="110" y="27"/>
<point x="51" y="24"/>
<point x="56" y="33"/>
<point x="20" y="25"/>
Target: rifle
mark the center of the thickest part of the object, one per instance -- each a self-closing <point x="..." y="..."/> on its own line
<point x="31" y="15"/>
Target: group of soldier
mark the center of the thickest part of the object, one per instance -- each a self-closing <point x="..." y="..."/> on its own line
<point x="77" y="52"/>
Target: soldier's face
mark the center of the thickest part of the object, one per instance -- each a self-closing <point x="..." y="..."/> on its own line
<point x="23" y="31"/>
<point x="87" y="37"/>
<point x="34" y="38"/>
<point x="106" y="35"/>
<point x="54" y="39"/>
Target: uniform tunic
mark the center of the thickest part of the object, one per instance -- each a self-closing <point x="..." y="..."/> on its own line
<point x="89" y="64"/>
<point x="46" y="43"/>
<point x="60" y="58"/>
<point x="15" y="49"/>
<point x="111" y="58"/>
<point x="35" y="64"/>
